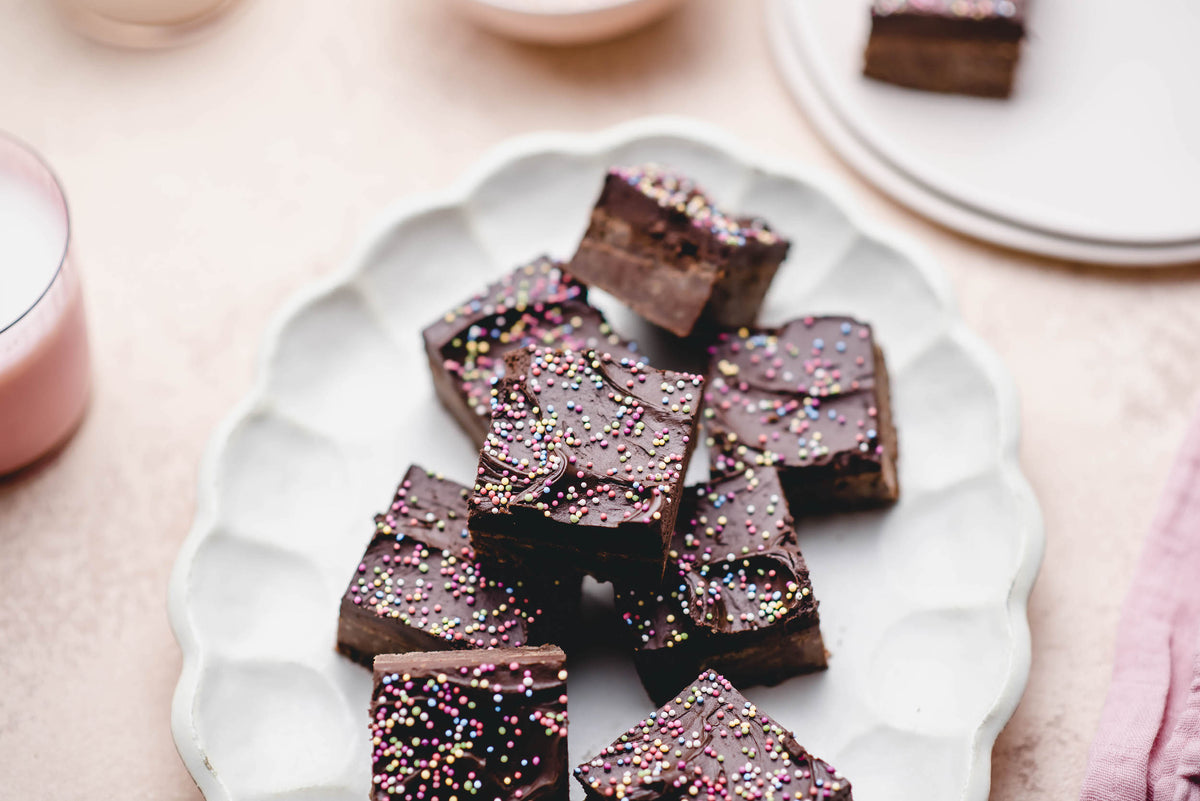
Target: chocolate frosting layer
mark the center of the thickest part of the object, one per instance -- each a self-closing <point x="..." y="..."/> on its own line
<point x="960" y="19"/>
<point x="584" y="439"/>
<point x="796" y="396"/>
<point x="734" y="567"/>
<point x="536" y="304"/>
<point x="421" y="571"/>
<point x="710" y="742"/>
<point x="489" y="726"/>
<point x="679" y="200"/>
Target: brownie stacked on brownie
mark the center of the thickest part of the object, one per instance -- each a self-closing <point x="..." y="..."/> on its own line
<point x="585" y="461"/>
<point x="737" y="596"/>
<point x="536" y="304"/>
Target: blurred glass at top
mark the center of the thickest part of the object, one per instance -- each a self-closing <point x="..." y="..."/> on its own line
<point x="145" y="23"/>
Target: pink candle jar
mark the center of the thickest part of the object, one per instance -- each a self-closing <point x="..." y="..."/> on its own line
<point x="44" y="377"/>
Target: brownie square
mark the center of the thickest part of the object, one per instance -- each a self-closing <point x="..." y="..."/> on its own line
<point x="736" y="598"/>
<point x="419" y="586"/>
<point x="962" y="46"/>
<point x="812" y="399"/>
<point x="709" y="742"/>
<point x="584" y="463"/>
<point x="659" y="244"/>
<point x="535" y="304"/>
<point x="481" y="725"/>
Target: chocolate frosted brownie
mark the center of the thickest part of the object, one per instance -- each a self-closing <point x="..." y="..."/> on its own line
<point x="963" y="46"/>
<point x="419" y="586"/>
<point x="536" y="304"/>
<point x="709" y="742"/>
<point x="482" y="725"/>
<point x="810" y="398"/>
<point x="736" y="597"/>
<point x="584" y="463"/>
<point x="657" y="243"/>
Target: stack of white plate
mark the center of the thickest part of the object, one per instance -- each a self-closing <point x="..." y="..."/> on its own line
<point x="1096" y="157"/>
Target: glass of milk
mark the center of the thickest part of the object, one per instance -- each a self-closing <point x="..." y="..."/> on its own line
<point x="44" y="376"/>
<point x="144" y="23"/>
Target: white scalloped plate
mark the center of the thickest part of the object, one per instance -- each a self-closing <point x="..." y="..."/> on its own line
<point x="923" y="606"/>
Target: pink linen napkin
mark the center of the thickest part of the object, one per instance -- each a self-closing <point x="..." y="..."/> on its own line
<point x="1148" y="744"/>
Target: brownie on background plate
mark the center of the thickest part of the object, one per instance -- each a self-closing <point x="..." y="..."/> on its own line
<point x="810" y="398"/>
<point x="966" y="47"/>
<point x="658" y="243"/>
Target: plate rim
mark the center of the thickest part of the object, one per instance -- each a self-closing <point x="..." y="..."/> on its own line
<point x="978" y="779"/>
<point x="840" y="135"/>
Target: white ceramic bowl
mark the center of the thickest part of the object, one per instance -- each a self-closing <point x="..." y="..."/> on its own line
<point x="564" y="22"/>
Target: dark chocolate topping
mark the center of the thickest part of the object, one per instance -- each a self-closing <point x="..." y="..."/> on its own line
<point x="584" y="439"/>
<point x="710" y="742"/>
<point x="960" y="19"/>
<point x="734" y="567"/>
<point x="470" y="725"/>
<point x="677" y="194"/>
<point x="420" y="570"/>
<point x="799" y="395"/>
<point x="956" y="9"/>
<point x="536" y="304"/>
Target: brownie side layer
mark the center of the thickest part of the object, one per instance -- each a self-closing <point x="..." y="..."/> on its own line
<point x="742" y="286"/>
<point x="975" y="66"/>
<point x="652" y="259"/>
<point x="958" y="46"/>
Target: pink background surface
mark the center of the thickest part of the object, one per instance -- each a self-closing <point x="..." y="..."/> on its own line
<point x="209" y="183"/>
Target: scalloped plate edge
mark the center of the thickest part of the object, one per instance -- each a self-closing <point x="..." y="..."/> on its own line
<point x="1033" y="537"/>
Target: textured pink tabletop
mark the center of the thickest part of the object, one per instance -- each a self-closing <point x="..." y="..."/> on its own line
<point x="209" y="183"/>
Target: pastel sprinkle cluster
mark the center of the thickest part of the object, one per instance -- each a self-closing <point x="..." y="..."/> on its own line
<point x="710" y="743"/>
<point x="551" y="426"/>
<point x="721" y="576"/>
<point x="963" y="9"/>
<point x="542" y="280"/>
<point x="441" y="591"/>
<point x="673" y="191"/>
<point x="537" y="304"/>
<point x="799" y="402"/>
<point x="739" y="594"/>
<point x="473" y="734"/>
